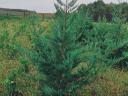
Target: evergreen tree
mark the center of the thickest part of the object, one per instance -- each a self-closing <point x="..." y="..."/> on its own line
<point x="60" y="57"/>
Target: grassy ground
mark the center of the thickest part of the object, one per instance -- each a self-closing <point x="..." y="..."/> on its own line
<point x="110" y="83"/>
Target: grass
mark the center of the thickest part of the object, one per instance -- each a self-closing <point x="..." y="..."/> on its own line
<point x="110" y="83"/>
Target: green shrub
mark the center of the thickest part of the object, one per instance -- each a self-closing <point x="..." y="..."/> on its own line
<point x="10" y="84"/>
<point x="108" y="41"/>
<point x="57" y="56"/>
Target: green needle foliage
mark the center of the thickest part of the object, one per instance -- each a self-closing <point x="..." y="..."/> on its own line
<point x="60" y="57"/>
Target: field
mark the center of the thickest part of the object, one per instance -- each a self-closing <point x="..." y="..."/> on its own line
<point x="81" y="50"/>
<point x="19" y="32"/>
<point x="23" y="13"/>
<point x="15" y="12"/>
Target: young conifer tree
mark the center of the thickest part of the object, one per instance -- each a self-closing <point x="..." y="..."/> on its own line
<point x="59" y="55"/>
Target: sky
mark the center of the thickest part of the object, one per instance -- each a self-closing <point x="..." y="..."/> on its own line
<point x="45" y="6"/>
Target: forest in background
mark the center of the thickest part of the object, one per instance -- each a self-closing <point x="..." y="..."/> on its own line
<point x="100" y="10"/>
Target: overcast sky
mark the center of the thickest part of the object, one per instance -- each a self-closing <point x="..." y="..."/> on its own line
<point x="38" y="5"/>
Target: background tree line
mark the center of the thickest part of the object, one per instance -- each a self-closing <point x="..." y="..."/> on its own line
<point x="100" y="10"/>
